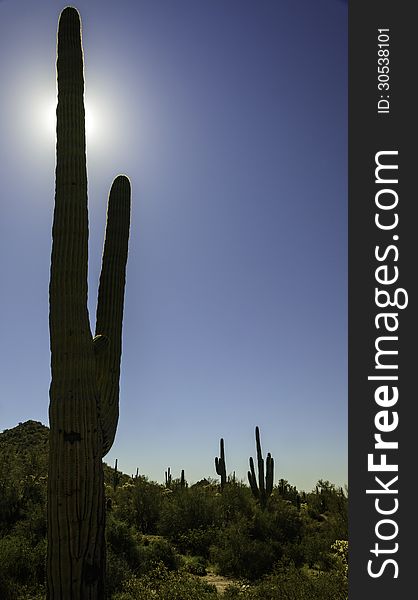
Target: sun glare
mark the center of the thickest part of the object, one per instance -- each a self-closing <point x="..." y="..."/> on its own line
<point x="90" y="129"/>
<point x="49" y="121"/>
<point x="37" y="128"/>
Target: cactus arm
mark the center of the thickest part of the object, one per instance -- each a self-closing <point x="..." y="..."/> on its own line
<point x="253" y="480"/>
<point x="269" y="474"/>
<point x="109" y="313"/>
<point x="260" y="463"/>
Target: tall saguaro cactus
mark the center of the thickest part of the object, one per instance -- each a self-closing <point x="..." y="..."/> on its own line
<point x="83" y="410"/>
<point x="220" y="465"/>
<point x="263" y="490"/>
<point x="168" y="478"/>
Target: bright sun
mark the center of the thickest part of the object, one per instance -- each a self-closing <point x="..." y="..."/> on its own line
<point x="50" y="121"/>
<point x="38" y="124"/>
<point x="90" y="129"/>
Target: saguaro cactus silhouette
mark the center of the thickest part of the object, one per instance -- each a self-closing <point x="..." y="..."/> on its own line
<point x="220" y="465"/>
<point x="265" y="486"/>
<point x="84" y="392"/>
<point x="116" y="476"/>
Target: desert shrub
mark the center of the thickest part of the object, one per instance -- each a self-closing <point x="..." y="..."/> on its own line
<point x="281" y="523"/>
<point x="130" y="554"/>
<point x="197" y="541"/>
<point x="339" y="557"/>
<point x="22" y="513"/>
<point x="22" y="565"/>
<point x="318" y="536"/>
<point x="188" y="509"/>
<point x="138" y="503"/>
<point x="140" y="552"/>
<point x="291" y="583"/>
<point x="330" y="503"/>
<point x="11" y="493"/>
<point x="162" y="584"/>
<point x="236" y="501"/>
<point x="196" y="565"/>
<point x="281" y="526"/>
<point x="118" y="572"/>
<point x="249" y="547"/>
<point x="123" y="542"/>
<point x="147" y="502"/>
<point x="155" y="552"/>
<point x="7" y="587"/>
<point x="22" y="529"/>
<point x="23" y="470"/>
<point x="33" y="525"/>
<point x="238" y="554"/>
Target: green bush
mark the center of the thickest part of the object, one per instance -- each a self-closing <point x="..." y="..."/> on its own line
<point x="7" y="586"/>
<point x="118" y="572"/>
<point x="10" y="493"/>
<point x="155" y="552"/>
<point x="23" y="470"/>
<point x="281" y="523"/>
<point x="138" y="502"/>
<point x="140" y="553"/>
<point x="236" y="501"/>
<point x="130" y="554"/>
<point x="250" y="547"/>
<point x="291" y="583"/>
<point x="122" y="540"/>
<point x="317" y="538"/>
<point x="197" y="541"/>
<point x="196" y="565"/>
<point x="22" y="565"/>
<point x="188" y="509"/>
<point x="164" y="585"/>
<point x="238" y="554"/>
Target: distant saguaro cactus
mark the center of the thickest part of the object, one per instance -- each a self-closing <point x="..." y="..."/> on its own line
<point x="220" y="465"/>
<point x="168" y="478"/>
<point x="116" y="476"/>
<point x="84" y="391"/>
<point x="265" y="485"/>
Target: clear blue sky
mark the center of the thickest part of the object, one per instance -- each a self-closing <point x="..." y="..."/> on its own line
<point x="230" y="118"/>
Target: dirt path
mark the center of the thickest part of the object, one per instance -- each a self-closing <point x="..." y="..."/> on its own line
<point x="219" y="581"/>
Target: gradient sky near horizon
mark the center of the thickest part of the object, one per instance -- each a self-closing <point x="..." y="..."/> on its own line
<point x="230" y="118"/>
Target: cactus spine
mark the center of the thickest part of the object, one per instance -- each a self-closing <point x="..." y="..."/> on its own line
<point x="220" y="464"/>
<point x="263" y="490"/>
<point x="83" y="408"/>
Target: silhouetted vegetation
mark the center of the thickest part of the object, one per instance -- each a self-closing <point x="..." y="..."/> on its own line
<point x="162" y="541"/>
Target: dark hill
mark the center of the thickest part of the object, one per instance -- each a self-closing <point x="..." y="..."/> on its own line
<point x="30" y="433"/>
<point x="24" y="448"/>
